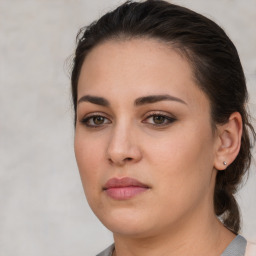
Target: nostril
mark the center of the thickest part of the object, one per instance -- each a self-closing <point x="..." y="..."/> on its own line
<point x="125" y="160"/>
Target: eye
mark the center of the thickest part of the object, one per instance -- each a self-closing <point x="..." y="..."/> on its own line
<point x="159" y="119"/>
<point x="95" y="121"/>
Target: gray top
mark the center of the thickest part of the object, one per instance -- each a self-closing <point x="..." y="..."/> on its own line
<point x="235" y="248"/>
<point x="108" y="251"/>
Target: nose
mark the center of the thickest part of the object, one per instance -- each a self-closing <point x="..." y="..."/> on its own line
<point x="123" y="147"/>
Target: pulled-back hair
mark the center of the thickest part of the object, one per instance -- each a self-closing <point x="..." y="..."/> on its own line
<point x="216" y="67"/>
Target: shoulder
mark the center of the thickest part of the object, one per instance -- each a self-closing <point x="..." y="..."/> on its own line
<point x="250" y="249"/>
<point x="108" y="251"/>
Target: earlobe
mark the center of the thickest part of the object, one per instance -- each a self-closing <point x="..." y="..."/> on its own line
<point x="229" y="141"/>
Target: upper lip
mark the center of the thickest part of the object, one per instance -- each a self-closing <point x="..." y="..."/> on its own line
<point x="123" y="182"/>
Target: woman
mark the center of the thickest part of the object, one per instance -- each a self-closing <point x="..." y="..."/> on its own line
<point x="161" y="130"/>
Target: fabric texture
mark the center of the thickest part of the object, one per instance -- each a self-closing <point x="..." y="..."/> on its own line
<point x="238" y="247"/>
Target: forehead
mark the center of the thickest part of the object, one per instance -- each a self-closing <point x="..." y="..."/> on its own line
<point x="137" y="66"/>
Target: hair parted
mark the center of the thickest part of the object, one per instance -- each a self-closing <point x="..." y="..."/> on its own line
<point x="215" y="64"/>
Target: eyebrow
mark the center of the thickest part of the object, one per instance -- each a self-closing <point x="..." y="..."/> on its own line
<point x="95" y="100"/>
<point x="156" y="98"/>
<point x="138" y="102"/>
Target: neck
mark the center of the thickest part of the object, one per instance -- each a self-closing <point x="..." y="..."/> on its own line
<point x="201" y="236"/>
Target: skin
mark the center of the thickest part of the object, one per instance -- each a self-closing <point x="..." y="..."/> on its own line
<point x="177" y="158"/>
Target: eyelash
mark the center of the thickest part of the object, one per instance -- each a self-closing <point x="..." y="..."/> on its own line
<point x="86" y="121"/>
<point x="167" y="120"/>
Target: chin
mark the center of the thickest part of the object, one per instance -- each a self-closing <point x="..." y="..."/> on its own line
<point x="129" y="229"/>
<point x="128" y="223"/>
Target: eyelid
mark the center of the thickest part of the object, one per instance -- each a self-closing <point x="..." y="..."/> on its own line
<point x="88" y="116"/>
<point x="97" y="113"/>
<point x="159" y="113"/>
<point x="171" y="118"/>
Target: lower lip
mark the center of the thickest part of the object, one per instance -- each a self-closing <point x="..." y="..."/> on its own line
<point x="124" y="193"/>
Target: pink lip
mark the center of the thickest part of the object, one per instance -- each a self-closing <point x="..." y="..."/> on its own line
<point x="124" y="188"/>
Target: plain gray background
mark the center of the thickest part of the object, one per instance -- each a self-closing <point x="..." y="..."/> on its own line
<point x="43" y="210"/>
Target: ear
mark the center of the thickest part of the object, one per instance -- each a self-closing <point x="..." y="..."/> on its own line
<point x="228" y="141"/>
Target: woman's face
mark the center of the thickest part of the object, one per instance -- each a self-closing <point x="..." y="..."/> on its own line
<point x="143" y="142"/>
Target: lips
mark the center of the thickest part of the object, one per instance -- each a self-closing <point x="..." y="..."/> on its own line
<point x="124" y="188"/>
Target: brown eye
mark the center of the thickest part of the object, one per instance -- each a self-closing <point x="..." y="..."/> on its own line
<point x="95" y="121"/>
<point x="159" y="119"/>
<point x="98" y="120"/>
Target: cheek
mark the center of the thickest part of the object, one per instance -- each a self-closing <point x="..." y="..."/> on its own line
<point x="184" y="161"/>
<point x="182" y="176"/>
<point x="89" y="156"/>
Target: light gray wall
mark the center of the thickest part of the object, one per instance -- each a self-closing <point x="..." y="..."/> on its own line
<point x="42" y="206"/>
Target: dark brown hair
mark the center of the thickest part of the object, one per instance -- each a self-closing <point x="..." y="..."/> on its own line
<point x="215" y="63"/>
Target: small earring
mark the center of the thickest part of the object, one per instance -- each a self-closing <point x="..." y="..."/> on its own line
<point x="225" y="163"/>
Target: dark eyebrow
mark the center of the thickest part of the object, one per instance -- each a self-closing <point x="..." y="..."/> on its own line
<point x="155" y="98"/>
<point x="95" y="100"/>
<point x="138" y="102"/>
